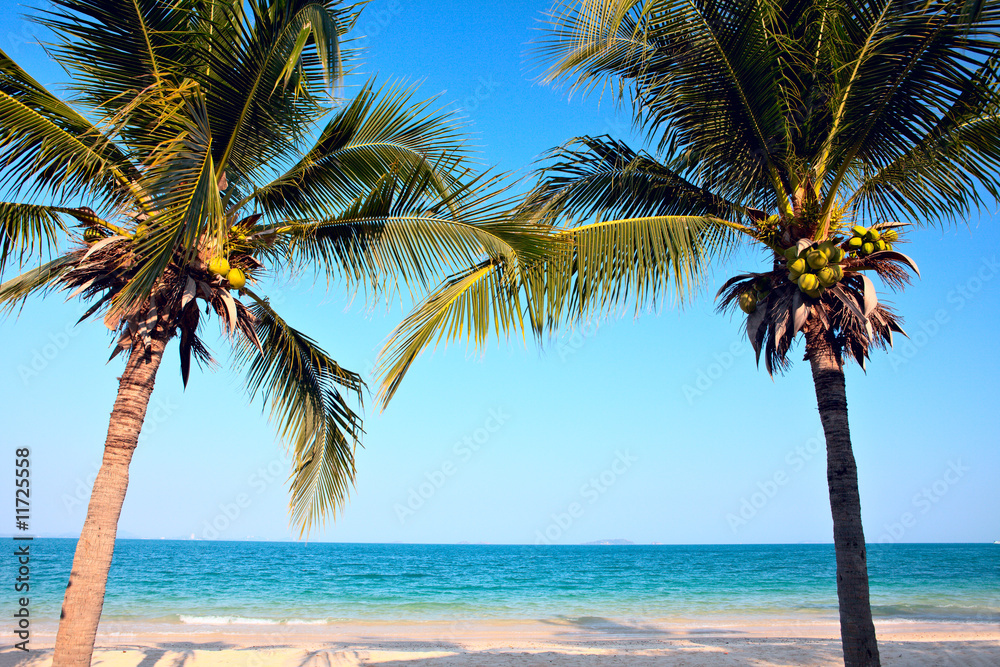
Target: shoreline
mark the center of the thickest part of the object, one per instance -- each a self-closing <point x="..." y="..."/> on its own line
<point x="581" y="642"/>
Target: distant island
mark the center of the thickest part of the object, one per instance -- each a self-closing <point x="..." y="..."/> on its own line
<point x="608" y="542"/>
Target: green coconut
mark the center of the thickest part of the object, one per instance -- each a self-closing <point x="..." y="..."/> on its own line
<point x="808" y="282"/>
<point x="837" y="255"/>
<point x="816" y="259"/>
<point x="791" y="253"/>
<point x="858" y="230"/>
<point x="855" y="242"/>
<point x="793" y="276"/>
<point x="219" y="266"/>
<point x="815" y="293"/>
<point x="748" y="302"/>
<point x="890" y="236"/>
<point x="798" y="266"/>
<point x="827" y="276"/>
<point x="872" y="235"/>
<point x="868" y="248"/>
<point x="881" y="245"/>
<point x="838" y="273"/>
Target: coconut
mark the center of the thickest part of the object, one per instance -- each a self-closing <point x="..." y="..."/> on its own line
<point x="236" y="279"/>
<point x="793" y="276"/>
<point x="808" y="282"/>
<point x="868" y="248"/>
<point x="837" y="255"/>
<point x="798" y="266"/>
<point x="859" y="230"/>
<point x="91" y="235"/>
<point x="881" y="245"/>
<point x="872" y="235"/>
<point x="826" y="247"/>
<point x="890" y="236"/>
<point x="838" y="273"/>
<point x="826" y="276"/>
<point x="816" y="259"/>
<point x="748" y="302"/>
<point x="219" y="265"/>
<point x="815" y="293"/>
<point x="791" y="253"/>
<point x="855" y="242"/>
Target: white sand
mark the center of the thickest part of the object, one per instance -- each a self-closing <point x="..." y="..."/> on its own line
<point x="567" y="643"/>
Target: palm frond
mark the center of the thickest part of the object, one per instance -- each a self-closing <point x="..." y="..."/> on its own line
<point x="303" y="389"/>
<point x="42" y="277"/>
<point x="50" y="148"/>
<point x="907" y="65"/>
<point x="264" y="93"/>
<point x="381" y="130"/>
<point x="183" y="189"/>
<point x="27" y="230"/>
<point x="402" y="232"/>
<point x="115" y="48"/>
<point x="600" y="176"/>
<point x="466" y="306"/>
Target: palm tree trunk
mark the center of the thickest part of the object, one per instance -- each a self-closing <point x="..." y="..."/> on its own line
<point x="857" y="631"/>
<point x="84" y="600"/>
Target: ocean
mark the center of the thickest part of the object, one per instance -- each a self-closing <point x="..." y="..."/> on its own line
<point x="186" y="583"/>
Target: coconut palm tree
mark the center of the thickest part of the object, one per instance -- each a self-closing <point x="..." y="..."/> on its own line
<point x="203" y="154"/>
<point x="814" y="131"/>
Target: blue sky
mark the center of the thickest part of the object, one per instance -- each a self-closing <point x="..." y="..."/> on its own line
<point x="653" y="429"/>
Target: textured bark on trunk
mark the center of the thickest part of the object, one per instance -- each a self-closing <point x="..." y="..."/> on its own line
<point x="857" y="631"/>
<point x="84" y="599"/>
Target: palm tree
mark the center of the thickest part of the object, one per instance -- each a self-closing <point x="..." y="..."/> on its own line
<point x="815" y="132"/>
<point x="204" y="154"/>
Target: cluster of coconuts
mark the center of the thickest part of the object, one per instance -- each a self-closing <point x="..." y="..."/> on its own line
<point x="220" y="267"/>
<point x="865" y="241"/>
<point x="815" y="267"/>
<point x="750" y="299"/>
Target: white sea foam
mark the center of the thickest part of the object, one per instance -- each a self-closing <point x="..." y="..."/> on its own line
<point x="226" y="620"/>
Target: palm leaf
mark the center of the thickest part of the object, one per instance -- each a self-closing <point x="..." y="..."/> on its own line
<point x="466" y="306"/>
<point x="27" y="230"/>
<point x="380" y="131"/>
<point x="49" y="146"/>
<point x="303" y="389"/>
<point x="43" y="277"/>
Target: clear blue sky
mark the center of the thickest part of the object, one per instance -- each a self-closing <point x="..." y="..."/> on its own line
<point x="660" y="429"/>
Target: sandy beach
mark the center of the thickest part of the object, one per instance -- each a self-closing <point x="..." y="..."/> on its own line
<point x="582" y="642"/>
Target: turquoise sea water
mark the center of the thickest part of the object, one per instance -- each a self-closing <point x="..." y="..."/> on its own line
<point x="206" y="583"/>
